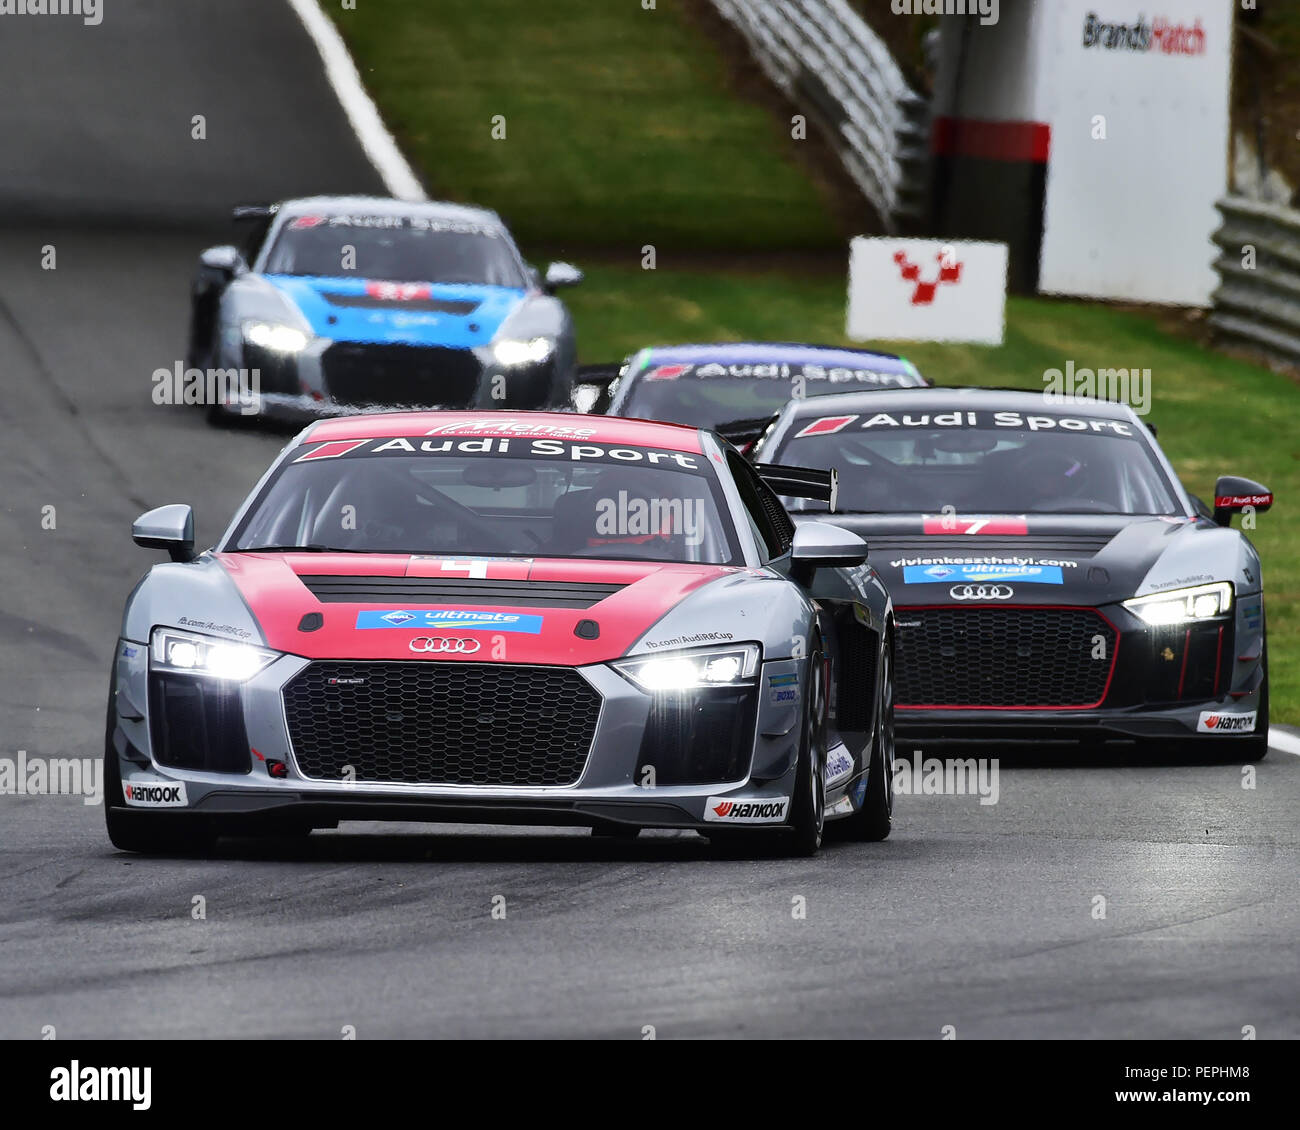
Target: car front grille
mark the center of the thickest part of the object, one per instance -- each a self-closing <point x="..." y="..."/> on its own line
<point x="934" y="545"/>
<point x="400" y="375"/>
<point x="433" y="723"/>
<point x="1048" y="658"/>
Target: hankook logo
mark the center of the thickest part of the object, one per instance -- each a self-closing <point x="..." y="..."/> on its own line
<point x="981" y="592"/>
<point x="449" y="645"/>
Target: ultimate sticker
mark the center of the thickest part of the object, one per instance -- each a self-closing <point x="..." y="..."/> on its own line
<point x="934" y="574"/>
<point x="449" y="619"/>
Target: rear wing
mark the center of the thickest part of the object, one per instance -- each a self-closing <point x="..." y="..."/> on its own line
<point x="244" y="212"/>
<point x="801" y="482"/>
<point x="603" y="374"/>
<point x="591" y="386"/>
<point x="744" y="433"/>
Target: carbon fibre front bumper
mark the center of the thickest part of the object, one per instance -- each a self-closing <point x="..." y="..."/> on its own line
<point x="1161" y="725"/>
<point x="1149" y="695"/>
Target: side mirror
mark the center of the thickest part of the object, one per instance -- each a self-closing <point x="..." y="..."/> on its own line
<point x="560" y="275"/>
<point x="168" y="527"/>
<point x="225" y="261"/>
<point x="819" y="545"/>
<point x="1232" y="495"/>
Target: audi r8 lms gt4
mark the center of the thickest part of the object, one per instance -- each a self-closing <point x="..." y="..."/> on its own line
<point x="1053" y="578"/>
<point x="739" y="386"/>
<point x="338" y="302"/>
<point x="541" y="618"/>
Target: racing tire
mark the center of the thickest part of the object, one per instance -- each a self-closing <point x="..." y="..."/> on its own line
<point x="216" y="415"/>
<point x="147" y="833"/>
<point x="875" y="819"/>
<point x="808" y="804"/>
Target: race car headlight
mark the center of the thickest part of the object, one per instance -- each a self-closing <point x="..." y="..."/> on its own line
<point x="690" y="670"/>
<point x="530" y="352"/>
<point x="275" y="337"/>
<point x="174" y="650"/>
<point x="1178" y="606"/>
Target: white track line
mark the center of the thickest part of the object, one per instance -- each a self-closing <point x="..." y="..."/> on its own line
<point x="398" y="177"/>
<point x="1283" y="742"/>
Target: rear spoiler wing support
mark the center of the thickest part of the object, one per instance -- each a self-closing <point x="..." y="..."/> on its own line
<point x="801" y="482"/>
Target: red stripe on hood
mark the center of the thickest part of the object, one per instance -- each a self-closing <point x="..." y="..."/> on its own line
<point x="270" y="585"/>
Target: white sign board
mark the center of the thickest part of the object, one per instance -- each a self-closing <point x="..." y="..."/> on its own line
<point x="1137" y="97"/>
<point x="927" y="290"/>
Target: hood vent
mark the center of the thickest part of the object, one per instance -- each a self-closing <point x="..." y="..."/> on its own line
<point x="401" y="591"/>
<point x="1047" y="545"/>
<point x="412" y="305"/>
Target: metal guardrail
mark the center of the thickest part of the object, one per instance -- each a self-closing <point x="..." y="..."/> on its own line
<point x="829" y="62"/>
<point x="1258" y="297"/>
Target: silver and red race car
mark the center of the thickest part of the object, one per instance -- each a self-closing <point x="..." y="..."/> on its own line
<point x="490" y="617"/>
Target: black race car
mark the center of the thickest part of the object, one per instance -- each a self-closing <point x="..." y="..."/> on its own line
<point x="1052" y="578"/>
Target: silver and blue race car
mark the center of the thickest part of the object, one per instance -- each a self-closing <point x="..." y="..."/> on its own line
<point x="1053" y="579"/>
<point x="335" y="303"/>
<point x="505" y="618"/>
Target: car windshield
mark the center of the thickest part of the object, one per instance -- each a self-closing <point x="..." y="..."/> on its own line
<point x="457" y="497"/>
<point x="395" y="248"/>
<point x="1002" y="462"/>
<point x="709" y="396"/>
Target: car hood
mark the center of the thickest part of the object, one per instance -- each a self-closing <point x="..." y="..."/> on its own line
<point x="457" y="315"/>
<point x="1044" y="559"/>
<point x="373" y="606"/>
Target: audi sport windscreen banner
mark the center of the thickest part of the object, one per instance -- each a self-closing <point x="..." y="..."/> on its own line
<point x="927" y="290"/>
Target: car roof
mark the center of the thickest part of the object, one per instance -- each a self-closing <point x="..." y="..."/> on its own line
<point x="386" y="206"/>
<point x="941" y="398"/>
<point x="777" y="352"/>
<point x="530" y="425"/>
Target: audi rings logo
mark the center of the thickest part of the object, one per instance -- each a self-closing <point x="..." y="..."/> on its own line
<point x="981" y="592"/>
<point x="446" y="645"/>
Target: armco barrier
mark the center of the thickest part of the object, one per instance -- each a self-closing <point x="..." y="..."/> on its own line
<point x="836" y="69"/>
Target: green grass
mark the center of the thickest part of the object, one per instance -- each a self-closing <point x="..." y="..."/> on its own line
<point x="1216" y="415"/>
<point x="620" y="128"/>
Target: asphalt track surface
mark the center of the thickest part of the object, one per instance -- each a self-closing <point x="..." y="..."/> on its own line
<point x="978" y="917"/>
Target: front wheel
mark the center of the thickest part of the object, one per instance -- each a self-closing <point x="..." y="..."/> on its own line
<point x="874" y="819"/>
<point x="808" y="804"/>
